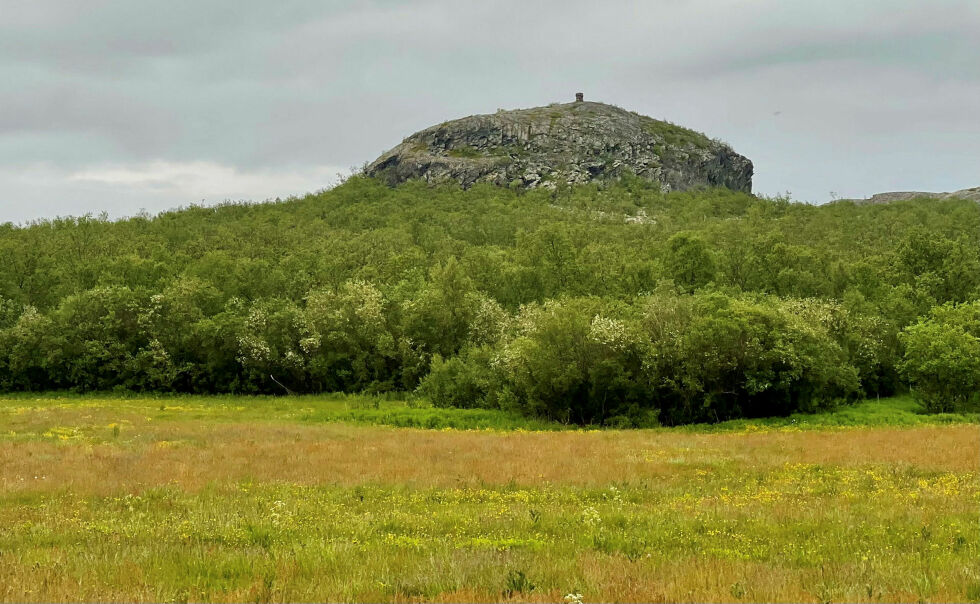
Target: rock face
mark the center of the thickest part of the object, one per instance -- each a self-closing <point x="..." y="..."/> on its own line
<point x="571" y="143"/>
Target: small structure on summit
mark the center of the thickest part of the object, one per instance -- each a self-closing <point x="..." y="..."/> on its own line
<point x="564" y="143"/>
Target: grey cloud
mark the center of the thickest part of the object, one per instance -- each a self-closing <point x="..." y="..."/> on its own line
<point x="871" y="95"/>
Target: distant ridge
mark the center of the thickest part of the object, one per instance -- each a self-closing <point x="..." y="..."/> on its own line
<point x="972" y="194"/>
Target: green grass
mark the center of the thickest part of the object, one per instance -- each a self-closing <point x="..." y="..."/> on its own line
<point x="676" y="136"/>
<point x="189" y="498"/>
<point x="410" y="413"/>
<point x="356" y="409"/>
<point x="897" y="411"/>
<point x="464" y="152"/>
<point x="840" y="529"/>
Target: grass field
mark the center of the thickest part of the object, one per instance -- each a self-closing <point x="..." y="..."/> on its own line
<point x="339" y="498"/>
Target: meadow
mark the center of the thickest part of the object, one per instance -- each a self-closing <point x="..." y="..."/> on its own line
<point x="181" y="498"/>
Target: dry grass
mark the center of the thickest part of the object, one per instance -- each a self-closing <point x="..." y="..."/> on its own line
<point x="194" y="454"/>
<point x="108" y="502"/>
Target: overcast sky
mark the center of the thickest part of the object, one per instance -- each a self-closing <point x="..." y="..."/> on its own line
<point x="149" y="105"/>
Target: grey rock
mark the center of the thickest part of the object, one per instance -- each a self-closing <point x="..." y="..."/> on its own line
<point x="972" y="194"/>
<point x="570" y="143"/>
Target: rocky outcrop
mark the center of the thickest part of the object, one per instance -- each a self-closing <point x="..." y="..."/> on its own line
<point x="572" y="143"/>
<point x="968" y="194"/>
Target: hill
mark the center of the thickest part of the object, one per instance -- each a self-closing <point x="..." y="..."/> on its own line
<point x="562" y="144"/>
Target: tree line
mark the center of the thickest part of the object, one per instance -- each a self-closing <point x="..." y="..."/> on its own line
<point x="617" y="304"/>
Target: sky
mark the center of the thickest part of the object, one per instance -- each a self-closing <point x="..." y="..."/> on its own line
<point x="125" y="107"/>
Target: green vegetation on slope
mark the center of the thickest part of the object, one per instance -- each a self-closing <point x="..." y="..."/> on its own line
<point x="620" y="305"/>
<point x="676" y="136"/>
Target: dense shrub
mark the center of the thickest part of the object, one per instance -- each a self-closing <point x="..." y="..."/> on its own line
<point x="688" y="261"/>
<point x="465" y="381"/>
<point x="738" y="357"/>
<point x="348" y="344"/>
<point x="668" y="357"/>
<point x="615" y="304"/>
<point x="576" y="361"/>
<point x="942" y="358"/>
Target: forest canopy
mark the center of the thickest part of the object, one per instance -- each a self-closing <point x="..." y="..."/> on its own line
<point x="616" y="305"/>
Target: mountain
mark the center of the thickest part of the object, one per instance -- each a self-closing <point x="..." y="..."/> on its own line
<point x="570" y="143"/>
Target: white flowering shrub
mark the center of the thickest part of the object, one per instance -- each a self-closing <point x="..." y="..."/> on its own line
<point x="349" y="344"/>
<point x="572" y="362"/>
<point x="490" y="323"/>
<point x="271" y="344"/>
<point x="614" y="334"/>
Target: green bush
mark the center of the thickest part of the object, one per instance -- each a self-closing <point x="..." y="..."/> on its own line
<point x="464" y="381"/>
<point x="942" y="358"/>
<point x="689" y="262"/>
<point x="575" y="360"/>
<point x="714" y="357"/>
<point x="673" y="358"/>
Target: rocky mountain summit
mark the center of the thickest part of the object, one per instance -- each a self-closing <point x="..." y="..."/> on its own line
<point x="573" y="143"/>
